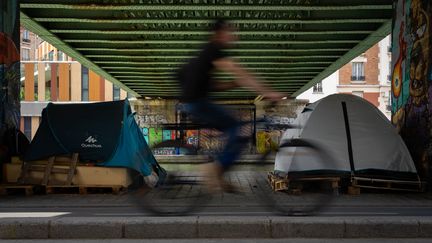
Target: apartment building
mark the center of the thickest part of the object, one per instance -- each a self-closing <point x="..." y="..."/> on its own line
<point x="49" y="75"/>
<point x="367" y="76"/>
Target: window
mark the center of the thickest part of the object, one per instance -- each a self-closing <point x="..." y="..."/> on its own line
<point x="317" y="88"/>
<point x="358" y="93"/>
<point x="27" y="127"/>
<point x="25" y="54"/>
<point x="116" y="93"/>
<point x="26" y="36"/>
<point x="51" y="56"/>
<point x="358" y="71"/>
<point x="60" y="56"/>
<point x="84" y="84"/>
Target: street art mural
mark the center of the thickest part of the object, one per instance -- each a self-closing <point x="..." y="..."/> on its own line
<point x="9" y="65"/>
<point x="411" y="79"/>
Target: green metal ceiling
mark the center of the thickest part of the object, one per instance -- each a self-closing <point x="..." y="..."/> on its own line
<point x="137" y="44"/>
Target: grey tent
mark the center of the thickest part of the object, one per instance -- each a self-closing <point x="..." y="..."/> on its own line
<point x="377" y="148"/>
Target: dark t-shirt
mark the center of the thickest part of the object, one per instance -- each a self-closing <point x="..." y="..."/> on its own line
<point x="196" y="75"/>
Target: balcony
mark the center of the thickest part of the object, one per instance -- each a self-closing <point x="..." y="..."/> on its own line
<point x="358" y="78"/>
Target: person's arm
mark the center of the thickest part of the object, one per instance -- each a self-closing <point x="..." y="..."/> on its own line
<point x="245" y="78"/>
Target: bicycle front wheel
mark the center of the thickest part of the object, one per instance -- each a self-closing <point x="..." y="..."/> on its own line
<point x="299" y="192"/>
<point x="181" y="193"/>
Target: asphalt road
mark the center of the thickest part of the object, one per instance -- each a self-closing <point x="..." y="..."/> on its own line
<point x="296" y="240"/>
<point x="132" y="211"/>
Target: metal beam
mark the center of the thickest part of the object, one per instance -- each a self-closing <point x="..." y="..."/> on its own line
<point x="188" y="50"/>
<point x="171" y="69"/>
<point x="207" y="21"/>
<point x="206" y="33"/>
<point x="240" y="42"/>
<point x="146" y="74"/>
<point x="179" y="63"/>
<point x="207" y="7"/>
<point x="128" y="57"/>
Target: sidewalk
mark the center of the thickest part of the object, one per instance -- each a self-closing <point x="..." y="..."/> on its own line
<point x="369" y="215"/>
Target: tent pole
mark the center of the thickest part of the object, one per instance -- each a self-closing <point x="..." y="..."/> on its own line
<point x="348" y="134"/>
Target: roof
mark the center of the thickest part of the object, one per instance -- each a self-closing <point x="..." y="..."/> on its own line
<point x="137" y="44"/>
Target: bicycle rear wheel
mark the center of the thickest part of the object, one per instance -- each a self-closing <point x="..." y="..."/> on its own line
<point x="305" y="193"/>
<point x="181" y="193"/>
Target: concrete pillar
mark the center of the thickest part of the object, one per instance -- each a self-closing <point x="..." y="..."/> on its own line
<point x="411" y="80"/>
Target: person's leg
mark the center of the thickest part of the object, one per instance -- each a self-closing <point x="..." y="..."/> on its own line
<point x="218" y="117"/>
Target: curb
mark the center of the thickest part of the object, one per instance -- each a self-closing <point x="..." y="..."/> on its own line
<point x="215" y="227"/>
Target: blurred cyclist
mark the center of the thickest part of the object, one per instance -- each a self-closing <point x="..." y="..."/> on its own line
<point x="196" y="81"/>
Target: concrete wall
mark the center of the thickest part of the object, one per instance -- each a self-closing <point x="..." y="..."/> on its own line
<point x="152" y="113"/>
<point x="411" y="79"/>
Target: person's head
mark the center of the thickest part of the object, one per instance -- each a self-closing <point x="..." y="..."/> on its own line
<point x="223" y="32"/>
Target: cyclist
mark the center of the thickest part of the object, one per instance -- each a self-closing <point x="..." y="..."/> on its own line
<point x="196" y="81"/>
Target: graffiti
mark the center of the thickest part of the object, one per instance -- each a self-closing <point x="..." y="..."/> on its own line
<point x="279" y="119"/>
<point x="267" y="140"/>
<point x="155" y="136"/>
<point x="192" y="138"/>
<point x="411" y="79"/>
<point x="145" y="131"/>
<point x="9" y="65"/>
<point x="145" y="120"/>
<point x="211" y="141"/>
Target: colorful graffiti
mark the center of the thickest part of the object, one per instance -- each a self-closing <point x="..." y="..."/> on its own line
<point x="155" y="136"/>
<point x="267" y="140"/>
<point x="192" y="138"/>
<point x="9" y="65"/>
<point x="411" y="80"/>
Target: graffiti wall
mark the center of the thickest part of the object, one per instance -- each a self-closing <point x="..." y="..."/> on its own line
<point x="411" y="79"/>
<point x="9" y="65"/>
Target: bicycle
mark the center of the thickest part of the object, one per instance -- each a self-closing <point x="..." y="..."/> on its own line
<point x="183" y="192"/>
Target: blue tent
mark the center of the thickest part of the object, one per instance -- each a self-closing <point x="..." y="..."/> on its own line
<point x="105" y="133"/>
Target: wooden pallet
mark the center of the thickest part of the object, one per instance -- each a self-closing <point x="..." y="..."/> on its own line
<point x="282" y="183"/>
<point x="84" y="189"/>
<point x="277" y="183"/>
<point x="50" y="168"/>
<point x="384" y="184"/>
<point x="27" y="190"/>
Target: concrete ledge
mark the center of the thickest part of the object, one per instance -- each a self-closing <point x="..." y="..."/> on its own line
<point x="215" y="227"/>
<point x="166" y="227"/>
<point x="308" y="228"/>
<point x="26" y="228"/>
<point x="86" y="228"/>
<point x="228" y="227"/>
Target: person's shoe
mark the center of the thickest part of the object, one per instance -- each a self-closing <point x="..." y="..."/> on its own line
<point x="212" y="173"/>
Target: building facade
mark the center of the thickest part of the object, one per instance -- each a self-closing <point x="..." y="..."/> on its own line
<point x="48" y="75"/>
<point x="367" y="76"/>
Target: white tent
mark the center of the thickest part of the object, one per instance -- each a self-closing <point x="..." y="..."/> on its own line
<point x="377" y="149"/>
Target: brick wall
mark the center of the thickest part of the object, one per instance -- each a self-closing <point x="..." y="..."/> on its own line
<point x="372" y="98"/>
<point x="371" y="68"/>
